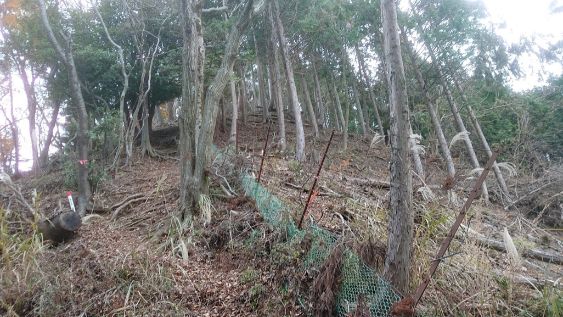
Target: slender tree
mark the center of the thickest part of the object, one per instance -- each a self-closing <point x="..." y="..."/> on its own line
<point x="276" y="81"/>
<point x="309" y="103"/>
<point x="197" y="134"/>
<point x="299" y="132"/>
<point x="364" y="75"/>
<point x="400" y="232"/>
<point x="189" y="121"/>
<point x="460" y="125"/>
<point x="262" y="99"/>
<point x="82" y="138"/>
<point x="443" y="143"/>
<point x="483" y="139"/>
<point x="124" y="123"/>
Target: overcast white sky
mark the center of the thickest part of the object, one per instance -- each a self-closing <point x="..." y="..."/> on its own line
<point x="512" y="19"/>
<point x="537" y="20"/>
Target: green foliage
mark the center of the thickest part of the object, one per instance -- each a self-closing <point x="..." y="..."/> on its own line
<point x="549" y="304"/>
<point x="255" y="293"/>
<point x="248" y="275"/>
<point x="295" y="166"/>
<point x="19" y="269"/>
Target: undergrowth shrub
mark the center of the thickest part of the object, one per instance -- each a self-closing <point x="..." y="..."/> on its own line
<point x="20" y="272"/>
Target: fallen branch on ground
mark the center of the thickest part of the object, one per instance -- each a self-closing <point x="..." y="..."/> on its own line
<point x="529" y="253"/>
<point x="370" y="182"/>
<point x="326" y="192"/>
<point x="528" y="195"/>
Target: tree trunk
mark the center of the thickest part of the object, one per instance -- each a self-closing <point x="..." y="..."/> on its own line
<point x="146" y="147"/>
<point x="321" y="111"/>
<point x="338" y="105"/>
<point x="458" y="120"/>
<point x="234" y="115"/>
<point x="261" y="83"/>
<point x="125" y="75"/>
<point x="347" y="104"/>
<point x="242" y="95"/>
<point x="171" y="110"/>
<point x="29" y="88"/>
<point x="276" y="85"/>
<point x="157" y="120"/>
<point x="234" y="101"/>
<point x="461" y="128"/>
<point x="445" y="149"/>
<point x="484" y="142"/>
<point x="418" y="167"/>
<point x="455" y="111"/>
<point x="82" y="138"/>
<point x="364" y="74"/>
<point x="346" y="125"/>
<point x="359" y="107"/>
<point x="299" y="132"/>
<point x="310" y="109"/>
<point x="214" y="93"/>
<point x="223" y="125"/>
<point x="193" y="59"/>
<point x="14" y="128"/>
<point x="44" y="155"/>
<point x="400" y="232"/>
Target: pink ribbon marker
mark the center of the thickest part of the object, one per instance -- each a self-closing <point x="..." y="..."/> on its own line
<point x="83" y="162"/>
<point x="70" y="201"/>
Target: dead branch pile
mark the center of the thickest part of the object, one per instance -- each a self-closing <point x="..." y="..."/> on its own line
<point x="327" y="282"/>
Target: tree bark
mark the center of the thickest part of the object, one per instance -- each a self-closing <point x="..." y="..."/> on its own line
<point x="338" y="105"/>
<point x="193" y="59"/>
<point x="364" y="74"/>
<point x="44" y="154"/>
<point x="261" y="83"/>
<point x="347" y="104"/>
<point x="14" y="128"/>
<point x="234" y="100"/>
<point x="171" y="110"/>
<point x="445" y="149"/>
<point x="29" y="88"/>
<point x="276" y="84"/>
<point x="359" y="107"/>
<point x="484" y="142"/>
<point x="82" y="138"/>
<point x="310" y="109"/>
<point x="212" y="97"/>
<point x="299" y="132"/>
<point x="242" y="95"/>
<point x="458" y="120"/>
<point x="400" y="231"/>
<point x="322" y="112"/>
<point x="125" y="75"/>
<point x="455" y="111"/>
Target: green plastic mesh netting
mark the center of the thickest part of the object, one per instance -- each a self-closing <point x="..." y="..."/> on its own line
<point x="357" y="278"/>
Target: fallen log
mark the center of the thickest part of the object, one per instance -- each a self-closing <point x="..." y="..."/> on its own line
<point x="326" y="191"/>
<point x="529" y="253"/>
<point x="528" y="280"/>
<point x="369" y="182"/>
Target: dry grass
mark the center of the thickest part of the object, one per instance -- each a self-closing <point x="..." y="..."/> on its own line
<point x="326" y="283"/>
<point x="113" y="268"/>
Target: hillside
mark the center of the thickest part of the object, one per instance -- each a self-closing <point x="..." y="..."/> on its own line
<point x="240" y="265"/>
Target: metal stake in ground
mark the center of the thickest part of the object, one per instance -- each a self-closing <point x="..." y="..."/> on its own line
<point x="315" y="181"/>
<point x="446" y="243"/>
<point x="264" y="153"/>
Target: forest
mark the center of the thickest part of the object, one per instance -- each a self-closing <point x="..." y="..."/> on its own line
<point x="277" y="158"/>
